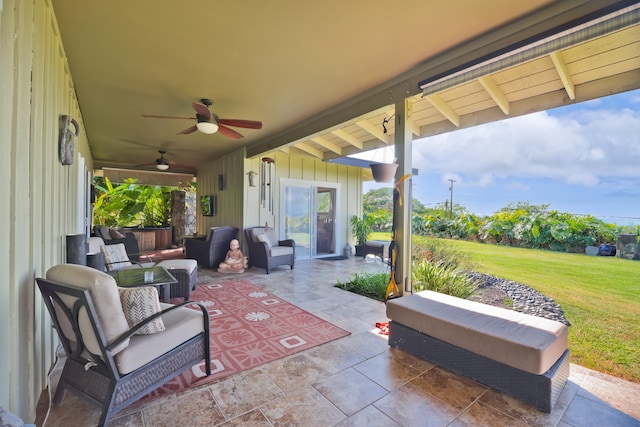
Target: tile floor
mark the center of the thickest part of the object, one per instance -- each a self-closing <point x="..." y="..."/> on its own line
<point x="355" y="381"/>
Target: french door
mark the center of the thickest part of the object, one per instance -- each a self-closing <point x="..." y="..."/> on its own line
<point x="309" y="217"/>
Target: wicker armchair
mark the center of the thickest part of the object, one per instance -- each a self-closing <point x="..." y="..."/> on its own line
<point x="107" y="362"/>
<point x="210" y="251"/>
<point x="266" y="251"/>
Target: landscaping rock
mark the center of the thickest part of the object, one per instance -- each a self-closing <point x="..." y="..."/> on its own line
<point x="516" y="296"/>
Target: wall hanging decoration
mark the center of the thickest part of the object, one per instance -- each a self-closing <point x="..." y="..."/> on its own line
<point x="208" y="205"/>
<point x="267" y="171"/>
<point x="66" y="139"/>
<point x="252" y="178"/>
<point x="220" y="182"/>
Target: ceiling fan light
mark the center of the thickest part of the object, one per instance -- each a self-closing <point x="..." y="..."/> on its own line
<point x="162" y="166"/>
<point x="207" y="127"/>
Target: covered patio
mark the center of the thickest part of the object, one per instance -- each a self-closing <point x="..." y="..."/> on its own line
<point x="356" y="380"/>
<point x="323" y="78"/>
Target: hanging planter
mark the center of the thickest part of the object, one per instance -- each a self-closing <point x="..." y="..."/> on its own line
<point x="383" y="172"/>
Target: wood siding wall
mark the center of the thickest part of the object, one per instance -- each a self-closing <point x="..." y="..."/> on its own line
<point x="239" y="204"/>
<point x="40" y="203"/>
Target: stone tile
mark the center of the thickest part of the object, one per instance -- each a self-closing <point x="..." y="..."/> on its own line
<point x="480" y="414"/>
<point x="350" y="391"/>
<point x="134" y="419"/>
<point x="522" y="411"/>
<point x="585" y="412"/>
<point x="294" y="372"/>
<point x="411" y="360"/>
<point x="254" y="418"/>
<point x="243" y="392"/>
<point x="335" y="356"/>
<point x="410" y="403"/>
<point x="457" y="390"/>
<point x="621" y="394"/>
<point x="199" y="407"/>
<point x="368" y="417"/>
<point x="351" y="324"/>
<point x="303" y="407"/>
<point x="368" y="343"/>
<point x="75" y="411"/>
<point x="390" y="373"/>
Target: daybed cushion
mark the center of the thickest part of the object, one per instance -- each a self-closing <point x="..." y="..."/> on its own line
<point x="138" y="304"/>
<point x="525" y="342"/>
<point x="180" y="324"/>
<point x="104" y="293"/>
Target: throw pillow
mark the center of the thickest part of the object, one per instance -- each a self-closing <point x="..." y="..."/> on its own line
<point x="116" y="234"/>
<point x="115" y="256"/>
<point x="140" y="303"/>
<point x="264" y="238"/>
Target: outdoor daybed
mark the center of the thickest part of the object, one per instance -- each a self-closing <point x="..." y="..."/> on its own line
<point x="516" y="353"/>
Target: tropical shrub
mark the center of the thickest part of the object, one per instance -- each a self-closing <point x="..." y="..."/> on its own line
<point x="442" y="277"/>
<point x="372" y="285"/>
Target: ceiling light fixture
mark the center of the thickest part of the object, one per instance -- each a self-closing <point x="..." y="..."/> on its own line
<point x="162" y="166"/>
<point x="207" y="127"/>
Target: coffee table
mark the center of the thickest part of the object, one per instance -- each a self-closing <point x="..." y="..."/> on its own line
<point x="132" y="277"/>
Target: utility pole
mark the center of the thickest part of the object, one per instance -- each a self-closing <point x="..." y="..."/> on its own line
<point x="451" y="204"/>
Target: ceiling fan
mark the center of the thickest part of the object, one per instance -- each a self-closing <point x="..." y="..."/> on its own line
<point x="209" y="123"/>
<point x="163" y="164"/>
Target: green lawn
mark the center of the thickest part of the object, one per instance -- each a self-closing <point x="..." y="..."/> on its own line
<point x="599" y="295"/>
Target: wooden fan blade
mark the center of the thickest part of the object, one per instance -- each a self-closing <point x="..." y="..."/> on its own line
<point x="145" y="164"/>
<point x="228" y="132"/>
<point x="202" y="110"/>
<point x="249" y="124"/>
<point x="192" y="129"/>
<point x="167" y="117"/>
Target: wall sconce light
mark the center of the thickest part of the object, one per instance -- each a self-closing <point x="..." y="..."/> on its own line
<point x="252" y="178"/>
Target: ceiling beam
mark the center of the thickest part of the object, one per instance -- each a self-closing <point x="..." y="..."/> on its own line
<point x="440" y="105"/>
<point x="373" y="130"/>
<point x="327" y="144"/>
<point x="310" y="150"/>
<point x="557" y="16"/>
<point x="348" y="138"/>
<point x="495" y="92"/>
<point x="563" y="72"/>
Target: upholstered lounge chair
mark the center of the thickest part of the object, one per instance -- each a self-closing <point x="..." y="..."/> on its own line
<point x="266" y="251"/>
<point x="107" y="362"/>
<point x="211" y="251"/>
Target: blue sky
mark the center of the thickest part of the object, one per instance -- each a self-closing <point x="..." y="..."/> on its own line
<point x="582" y="159"/>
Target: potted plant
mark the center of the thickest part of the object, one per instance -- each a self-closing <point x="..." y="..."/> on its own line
<point x="361" y="229"/>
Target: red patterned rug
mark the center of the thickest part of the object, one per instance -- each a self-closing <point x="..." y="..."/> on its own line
<point x="249" y="327"/>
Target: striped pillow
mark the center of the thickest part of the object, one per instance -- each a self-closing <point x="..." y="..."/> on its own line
<point x="138" y="304"/>
<point x="115" y="256"/>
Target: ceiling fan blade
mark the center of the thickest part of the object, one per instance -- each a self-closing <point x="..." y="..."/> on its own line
<point x="144" y="164"/>
<point x="192" y="129"/>
<point x="228" y="132"/>
<point x="166" y="117"/>
<point x="249" y="124"/>
<point x="202" y="110"/>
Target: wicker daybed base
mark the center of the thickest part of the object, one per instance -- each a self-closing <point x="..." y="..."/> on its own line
<point x="541" y="391"/>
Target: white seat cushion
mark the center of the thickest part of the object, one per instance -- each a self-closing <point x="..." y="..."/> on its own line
<point x="180" y="324"/>
<point x="104" y="293"/>
<point x="281" y="250"/>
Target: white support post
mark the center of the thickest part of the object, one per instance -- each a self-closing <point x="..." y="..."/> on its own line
<point x="403" y="146"/>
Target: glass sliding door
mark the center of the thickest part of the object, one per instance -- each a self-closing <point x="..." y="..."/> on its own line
<point x="310" y="217"/>
<point x="297" y="211"/>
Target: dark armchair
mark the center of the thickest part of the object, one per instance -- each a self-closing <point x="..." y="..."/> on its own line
<point x="107" y="362"/>
<point x="211" y="251"/>
<point x="266" y="251"/>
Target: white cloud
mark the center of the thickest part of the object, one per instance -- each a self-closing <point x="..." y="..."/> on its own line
<point x="581" y="147"/>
